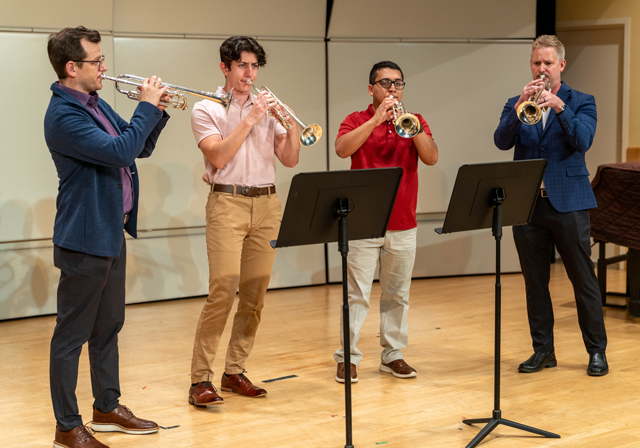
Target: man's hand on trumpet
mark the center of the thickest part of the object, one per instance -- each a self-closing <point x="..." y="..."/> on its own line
<point x="264" y="101"/>
<point x="548" y="99"/>
<point x="152" y="91"/>
<point x="283" y="112"/>
<point x="384" y="111"/>
<point x="529" y="91"/>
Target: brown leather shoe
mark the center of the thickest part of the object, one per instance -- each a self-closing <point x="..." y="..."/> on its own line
<point x="340" y="374"/>
<point x="240" y="384"/>
<point x="399" y="369"/>
<point x="121" y="419"/>
<point x="80" y="437"/>
<point x="204" y="394"/>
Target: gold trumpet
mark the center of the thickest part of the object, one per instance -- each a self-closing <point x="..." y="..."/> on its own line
<point x="178" y="100"/>
<point x="309" y="136"/>
<point x="530" y="112"/>
<point x="407" y="125"/>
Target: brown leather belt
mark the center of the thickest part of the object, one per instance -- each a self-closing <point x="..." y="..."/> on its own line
<point x="543" y="193"/>
<point x="126" y="217"/>
<point x="252" y="192"/>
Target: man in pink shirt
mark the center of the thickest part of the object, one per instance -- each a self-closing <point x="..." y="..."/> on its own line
<point x="243" y="215"/>
<point x="370" y="139"/>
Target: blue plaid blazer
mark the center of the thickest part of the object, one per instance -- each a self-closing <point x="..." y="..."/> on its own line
<point x="563" y="142"/>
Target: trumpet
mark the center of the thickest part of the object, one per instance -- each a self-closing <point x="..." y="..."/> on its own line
<point x="407" y="125"/>
<point x="178" y="100"/>
<point x="530" y="112"/>
<point x="309" y="136"/>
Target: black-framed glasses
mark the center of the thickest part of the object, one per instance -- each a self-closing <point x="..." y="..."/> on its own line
<point x="386" y="83"/>
<point x="99" y="61"/>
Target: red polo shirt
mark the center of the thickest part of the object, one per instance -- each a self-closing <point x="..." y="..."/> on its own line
<point x="386" y="149"/>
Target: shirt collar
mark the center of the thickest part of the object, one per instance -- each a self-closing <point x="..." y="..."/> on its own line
<point x="249" y="102"/>
<point x="89" y="100"/>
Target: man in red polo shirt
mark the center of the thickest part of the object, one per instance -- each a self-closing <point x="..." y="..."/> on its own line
<point x="370" y="139"/>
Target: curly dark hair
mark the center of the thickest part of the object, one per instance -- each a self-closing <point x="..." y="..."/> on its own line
<point x="383" y="64"/>
<point x="66" y="45"/>
<point x="232" y="48"/>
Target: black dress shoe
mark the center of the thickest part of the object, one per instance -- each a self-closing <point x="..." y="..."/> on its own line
<point x="538" y="361"/>
<point x="598" y="365"/>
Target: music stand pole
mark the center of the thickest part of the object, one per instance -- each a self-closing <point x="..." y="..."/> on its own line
<point x="496" y="418"/>
<point x="343" y="210"/>
<point x="316" y="212"/>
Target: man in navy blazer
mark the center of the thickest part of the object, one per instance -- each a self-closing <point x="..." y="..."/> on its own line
<point x="93" y="150"/>
<point x="562" y="136"/>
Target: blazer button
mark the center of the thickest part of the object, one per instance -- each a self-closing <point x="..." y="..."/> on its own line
<point x="542" y="148"/>
<point x="120" y="186"/>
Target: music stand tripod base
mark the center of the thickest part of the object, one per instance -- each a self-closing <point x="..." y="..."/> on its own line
<point x="482" y="194"/>
<point x="493" y="422"/>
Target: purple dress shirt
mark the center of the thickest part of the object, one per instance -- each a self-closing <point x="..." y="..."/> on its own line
<point x="90" y="101"/>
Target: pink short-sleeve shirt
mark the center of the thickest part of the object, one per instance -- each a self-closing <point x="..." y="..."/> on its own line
<point x="254" y="164"/>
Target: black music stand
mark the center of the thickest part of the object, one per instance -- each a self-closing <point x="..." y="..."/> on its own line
<point x="316" y="212"/>
<point x="511" y="190"/>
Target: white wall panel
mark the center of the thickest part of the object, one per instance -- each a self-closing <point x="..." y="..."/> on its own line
<point x="96" y="14"/>
<point x="172" y="191"/>
<point x="435" y="19"/>
<point x="459" y="88"/>
<point x="283" y="18"/>
<point x="160" y="265"/>
<point x="28" y="180"/>
<point x="461" y="253"/>
<point x="28" y="280"/>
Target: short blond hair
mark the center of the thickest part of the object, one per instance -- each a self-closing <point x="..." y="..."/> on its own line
<point x="549" y="41"/>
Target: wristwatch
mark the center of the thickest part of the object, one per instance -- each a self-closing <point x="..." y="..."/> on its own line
<point x="562" y="109"/>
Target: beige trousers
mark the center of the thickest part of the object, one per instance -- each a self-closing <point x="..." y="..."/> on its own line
<point x="239" y="230"/>
<point x="395" y="254"/>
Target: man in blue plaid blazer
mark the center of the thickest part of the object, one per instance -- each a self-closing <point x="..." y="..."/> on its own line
<point x="562" y="136"/>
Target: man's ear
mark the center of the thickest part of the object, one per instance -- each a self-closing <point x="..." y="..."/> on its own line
<point x="225" y="70"/>
<point x="70" y="68"/>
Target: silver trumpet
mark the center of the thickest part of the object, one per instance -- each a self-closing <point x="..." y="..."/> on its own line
<point x="407" y="125"/>
<point x="309" y="136"/>
<point x="178" y="100"/>
<point x="530" y="112"/>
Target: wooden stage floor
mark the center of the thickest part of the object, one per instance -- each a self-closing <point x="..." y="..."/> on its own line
<point x="451" y="345"/>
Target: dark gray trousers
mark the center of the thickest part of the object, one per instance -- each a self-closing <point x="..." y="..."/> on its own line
<point x="90" y="309"/>
<point x="570" y="233"/>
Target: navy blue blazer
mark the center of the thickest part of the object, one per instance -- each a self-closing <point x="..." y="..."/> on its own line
<point x="563" y="142"/>
<point x="89" y="215"/>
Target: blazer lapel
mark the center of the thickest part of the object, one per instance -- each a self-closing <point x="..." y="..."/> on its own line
<point x="552" y="114"/>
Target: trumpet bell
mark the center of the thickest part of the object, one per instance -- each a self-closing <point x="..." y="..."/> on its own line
<point x="407" y="125"/>
<point x="529" y="112"/>
<point x="310" y="135"/>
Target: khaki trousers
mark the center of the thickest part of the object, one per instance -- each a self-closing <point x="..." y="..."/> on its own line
<point x="395" y="254"/>
<point x="239" y="230"/>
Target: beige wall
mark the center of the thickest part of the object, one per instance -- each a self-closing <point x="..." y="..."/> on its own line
<point x="592" y="10"/>
<point x="179" y="41"/>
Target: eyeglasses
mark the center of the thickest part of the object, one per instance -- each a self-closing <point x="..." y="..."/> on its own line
<point x="99" y="61"/>
<point x="386" y="83"/>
